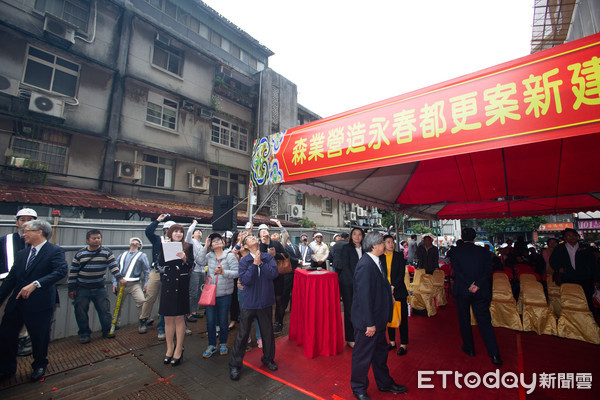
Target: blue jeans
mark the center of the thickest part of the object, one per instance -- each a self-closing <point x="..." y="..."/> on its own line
<point x="81" y="302"/>
<point x="218" y="315"/>
<point x="161" y="324"/>
<point x="241" y="301"/>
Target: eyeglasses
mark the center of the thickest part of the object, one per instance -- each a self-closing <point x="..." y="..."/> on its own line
<point x="248" y="237"/>
<point x="134" y="243"/>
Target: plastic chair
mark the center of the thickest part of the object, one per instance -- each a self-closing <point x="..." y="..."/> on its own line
<point x="537" y="316"/>
<point x="447" y="268"/>
<point x="576" y="320"/>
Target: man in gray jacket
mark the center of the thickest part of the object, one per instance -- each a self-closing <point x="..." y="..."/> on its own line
<point x="135" y="268"/>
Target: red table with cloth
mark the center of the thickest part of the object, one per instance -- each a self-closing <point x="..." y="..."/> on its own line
<point x="316" y="318"/>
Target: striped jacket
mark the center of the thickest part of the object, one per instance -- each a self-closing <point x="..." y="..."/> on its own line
<point x="89" y="267"/>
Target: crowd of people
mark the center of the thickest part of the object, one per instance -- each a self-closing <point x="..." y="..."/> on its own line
<point x="253" y="286"/>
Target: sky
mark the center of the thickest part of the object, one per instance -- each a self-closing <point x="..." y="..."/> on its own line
<point x="344" y="54"/>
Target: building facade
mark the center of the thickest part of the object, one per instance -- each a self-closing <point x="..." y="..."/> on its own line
<point x="143" y="100"/>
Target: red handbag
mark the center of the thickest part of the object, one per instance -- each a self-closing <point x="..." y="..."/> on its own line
<point x="209" y="293"/>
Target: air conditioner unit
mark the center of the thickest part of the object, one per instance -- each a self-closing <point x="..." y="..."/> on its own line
<point x="163" y="39"/>
<point x="225" y="71"/>
<point x="187" y="105"/>
<point x="16" y="161"/>
<point x="361" y="212"/>
<point x="204" y="113"/>
<point x="352" y="216"/>
<point x="43" y="104"/>
<point x="56" y="28"/>
<point x="295" y="211"/>
<point x="9" y="86"/>
<point x="129" y="170"/>
<point x="198" y="182"/>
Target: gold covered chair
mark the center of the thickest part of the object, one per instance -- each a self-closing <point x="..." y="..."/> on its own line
<point x="576" y="321"/>
<point x="439" y="291"/>
<point x="416" y="280"/>
<point x="503" y="307"/>
<point x="523" y="278"/>
<point x="423" y="297"/>
<point x="553" y="296"/>
<point x="407" y="284"/>
<point x="537" y="316"/>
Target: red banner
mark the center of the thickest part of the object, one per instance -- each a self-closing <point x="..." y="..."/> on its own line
<point x="551" y="94"/>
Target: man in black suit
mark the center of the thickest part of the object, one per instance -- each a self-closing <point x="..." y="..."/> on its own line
<point x="576" y="264"/>
<point x="472" y="268"/>
<point x="31" y="285"/>
<point x="10" y="245"/>
<point x="371" y="311"/>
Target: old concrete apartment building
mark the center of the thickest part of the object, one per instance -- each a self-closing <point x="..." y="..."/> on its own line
<point x="121" y="109"/>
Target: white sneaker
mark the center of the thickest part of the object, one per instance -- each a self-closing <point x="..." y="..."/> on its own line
<point x="161" y="337"/>
<point x="188" y="332"/>
<point x="259" y="341"/>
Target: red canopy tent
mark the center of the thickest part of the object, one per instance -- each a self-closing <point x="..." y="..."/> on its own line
<point x="516" y="139"/>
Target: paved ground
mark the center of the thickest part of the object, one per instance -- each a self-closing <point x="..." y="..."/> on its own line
<point x="131" y="367"/>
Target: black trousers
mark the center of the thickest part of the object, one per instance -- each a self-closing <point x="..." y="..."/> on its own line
<point x="347" y="293"/>
<point x="234" y="307"/>
<point x="367" y="352"/>
<point x="265" y="324"/>
<point x="481" y="310"/>
<point x="403" y="325"/>
<point x="286" y="298"/>
<point x="38" y="326"/>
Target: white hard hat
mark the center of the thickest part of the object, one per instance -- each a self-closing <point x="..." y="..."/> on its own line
<point x="228" y="234"/>
<point x="168" y="224"/>
<point x="318" y="234"/>
<point x="263" y="226"/>
<point x="27" y="212"/>
<point x="138" y="239"/>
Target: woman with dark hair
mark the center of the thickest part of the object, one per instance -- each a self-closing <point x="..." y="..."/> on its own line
<point x="175" y="293"/>
<point x="345" y="265"/>
<point x="222" y="263"/>
<point x="395" y="263"/>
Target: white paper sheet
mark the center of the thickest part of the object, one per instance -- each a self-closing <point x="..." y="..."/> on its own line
<point x="170" y="250"/>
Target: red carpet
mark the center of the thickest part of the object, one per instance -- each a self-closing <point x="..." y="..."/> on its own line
<point x="435" y="346"/>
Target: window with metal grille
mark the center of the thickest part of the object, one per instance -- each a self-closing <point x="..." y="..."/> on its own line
<point x="77" y="12"/>
<point x="157" y="171"/>
<point x="49" y="72"/>
<point x="161" y="111"/>
<point x="224" y="183"/>
<point x="326" y="206"/>
<point x="44" y="146"/>
<point x="230" y="135"/>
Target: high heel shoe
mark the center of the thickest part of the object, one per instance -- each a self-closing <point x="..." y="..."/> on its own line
<point x="167" y="359"/>
<point x="176" y="361"/>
